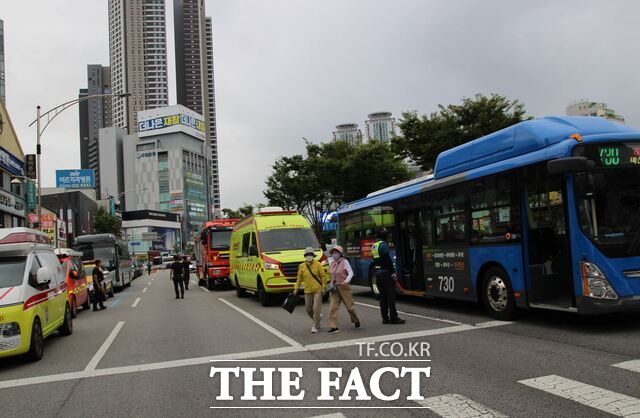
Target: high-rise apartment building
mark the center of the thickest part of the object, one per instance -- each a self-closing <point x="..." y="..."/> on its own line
<point x="586" y="107"/>
<point x="380" y="126"/>
<point x="2" y="87"/>
<point x="195" y="85"/>
<point x="95" y="114"/>
<point x="138" y="56"/>
<point x="348" y="132"/>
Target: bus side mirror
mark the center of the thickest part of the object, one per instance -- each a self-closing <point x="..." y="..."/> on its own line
<point x="253" y="251"/>
<point x="569" y="165"/>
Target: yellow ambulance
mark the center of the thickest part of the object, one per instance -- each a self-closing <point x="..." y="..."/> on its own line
<point x="33" y="293"/>
<point x="266" y="250"/>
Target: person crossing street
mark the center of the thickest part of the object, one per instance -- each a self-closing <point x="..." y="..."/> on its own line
<point x="98" y="292"/>
<point x="314" y="277"/>
<point x="341" y="275"/>
<point x="176" y="275"/>
<point x="386" y="277"/>
<point x="185" y="272"/>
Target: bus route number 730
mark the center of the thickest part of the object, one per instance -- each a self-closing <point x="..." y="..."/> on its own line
<point x="447" y="283"/>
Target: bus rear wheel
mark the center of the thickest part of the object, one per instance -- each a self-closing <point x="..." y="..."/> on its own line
<point x="497" y="294"/>
<point x="373" y="283"/>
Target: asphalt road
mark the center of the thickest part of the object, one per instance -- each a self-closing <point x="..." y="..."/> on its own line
<point x="152" y="355"/>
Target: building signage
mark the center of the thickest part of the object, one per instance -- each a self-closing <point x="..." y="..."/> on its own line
<point x="145" y="154"/>
<point x="31" y="196"/>
<point x="49" y="225"/>
<point x="31" y="166"/>
<point x="10" y="163"/>
<point x="75" y="179"/>
<point x="9" y="203"/>
<point x="171" y="120"/>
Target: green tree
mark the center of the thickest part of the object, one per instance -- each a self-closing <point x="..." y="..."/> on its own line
<point x="332" y="173"/>
<point x="105" y="223"/>
<point x="242" y="212"/>
<point x="424" y="137"/>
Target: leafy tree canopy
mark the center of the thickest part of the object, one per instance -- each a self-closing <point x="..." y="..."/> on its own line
<point x="423" y="137"/>
<point x="105" y="223"/>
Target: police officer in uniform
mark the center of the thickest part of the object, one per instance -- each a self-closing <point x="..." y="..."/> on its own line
<point x="386" y="278"/>
<point x="176" y="275"/>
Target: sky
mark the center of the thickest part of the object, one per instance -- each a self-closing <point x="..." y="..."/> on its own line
<point x="292" y="69"/>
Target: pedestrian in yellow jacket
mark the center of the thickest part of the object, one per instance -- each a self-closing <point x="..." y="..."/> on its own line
<point x="314" y="277"/>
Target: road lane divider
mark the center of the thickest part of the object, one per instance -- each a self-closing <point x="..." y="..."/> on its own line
<point x="632" y="365"/>
<point x="135" y="302"/>
<point x="604" y="400"/>
<point x="446" y="321"/>
<point x="144" y="290"/>
<point x="454" y="405"/>
<point x="264" y="325"/>
<point x="104" y="347"/>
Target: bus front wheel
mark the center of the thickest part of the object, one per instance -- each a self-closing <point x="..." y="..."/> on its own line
<point x="497" y="294"/>
<point x="373" y="282"/>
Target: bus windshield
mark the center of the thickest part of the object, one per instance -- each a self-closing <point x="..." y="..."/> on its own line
<point x="105" y="252"/>
<point x="220" y="239"/>
<point x="12" y="271"/>
<point x="608" y="199"/>
<point x="288" y="239"/>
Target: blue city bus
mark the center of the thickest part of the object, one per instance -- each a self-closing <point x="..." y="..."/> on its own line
<point x="543" y="214"/>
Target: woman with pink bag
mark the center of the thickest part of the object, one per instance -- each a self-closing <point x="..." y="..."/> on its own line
<point x="341" y="275"/>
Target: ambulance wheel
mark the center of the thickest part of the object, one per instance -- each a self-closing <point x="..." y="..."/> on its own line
<point x="373" y="283"/>
<point x="240" y="292"/>
<point x="36" y="347"/>
<point x="74" y="308"/>
<point x="67" y="325"/>
<point x="497" y="294"/>
<point x="263" y="296"/>
<point x="86" y="305"/>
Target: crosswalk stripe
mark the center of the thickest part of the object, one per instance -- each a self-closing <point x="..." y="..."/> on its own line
<point x="633" y="365"/>
<point x="453" y="405"/>
<point x="605" y="400"/>
<point x="336" y="415"/>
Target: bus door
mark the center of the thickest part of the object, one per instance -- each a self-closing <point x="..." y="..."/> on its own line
<point x="411" y="274"/>
<point x="550" y="277"/>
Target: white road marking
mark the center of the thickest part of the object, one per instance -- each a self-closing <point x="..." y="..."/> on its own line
<point x="263" y="324"/>
<point x="633" y="365"/>
<point x="148" y="284"/>
<point x="447" y="321"/>
<point x="454" y="405"/>
<point x="605" y="400"/>
<point x="91" y="371"/>
<point x="135" y="302"/>
<point x="104" y="347"/>
<point x="144" y="290"/>
<point x="204" y="288"/>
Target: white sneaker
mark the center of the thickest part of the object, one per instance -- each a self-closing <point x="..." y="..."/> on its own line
<point x="314" y="329"/>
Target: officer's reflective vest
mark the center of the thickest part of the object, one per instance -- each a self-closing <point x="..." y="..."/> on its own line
<point x="375" y="250"/>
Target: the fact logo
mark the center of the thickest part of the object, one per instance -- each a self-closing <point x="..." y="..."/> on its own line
<point x="394" y="381"/>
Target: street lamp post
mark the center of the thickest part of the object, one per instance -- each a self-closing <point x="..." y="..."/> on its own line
<point x="51" y="115"/>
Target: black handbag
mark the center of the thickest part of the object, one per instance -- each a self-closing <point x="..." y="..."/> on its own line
<point x="290" y="302"/>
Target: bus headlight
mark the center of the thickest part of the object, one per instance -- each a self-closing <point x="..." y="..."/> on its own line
<point x="595" y="283"/>
<point x="10" y="329"/>
<point x="271" y="266"/>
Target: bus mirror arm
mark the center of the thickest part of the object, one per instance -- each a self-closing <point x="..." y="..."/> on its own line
<point x="569" y="165"/>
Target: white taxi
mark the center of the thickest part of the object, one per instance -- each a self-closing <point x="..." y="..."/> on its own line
<point x="33" y="293"/>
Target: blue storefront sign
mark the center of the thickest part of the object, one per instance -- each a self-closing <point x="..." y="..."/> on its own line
<point x="75" y="179"/>
<point x="10" y="163"/>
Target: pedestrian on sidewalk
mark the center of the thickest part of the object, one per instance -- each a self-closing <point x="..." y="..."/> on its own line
<point x="185" y="272"/>
<point x="176" y="275"/>
<point x="340" y="289"/>
<point x="98" y="292"/>
<point x="386" y="278"/>
<point x="314" y="277"/>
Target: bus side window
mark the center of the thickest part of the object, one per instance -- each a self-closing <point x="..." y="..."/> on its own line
<point x="426" y="226"/>
<point x="450" y="215"/>
<point x="246" y="239"/>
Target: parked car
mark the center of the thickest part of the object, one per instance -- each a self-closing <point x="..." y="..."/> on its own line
<point x="33" y="293"/>
<point x="138" y="269"/>
<point x="76" y="279"/>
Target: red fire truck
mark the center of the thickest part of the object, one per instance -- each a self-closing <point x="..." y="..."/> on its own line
<point x="213" y="253"/>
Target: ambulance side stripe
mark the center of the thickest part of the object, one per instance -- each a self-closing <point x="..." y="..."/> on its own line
<point x="43" y="296"/>
<point x="6" y="293"/>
